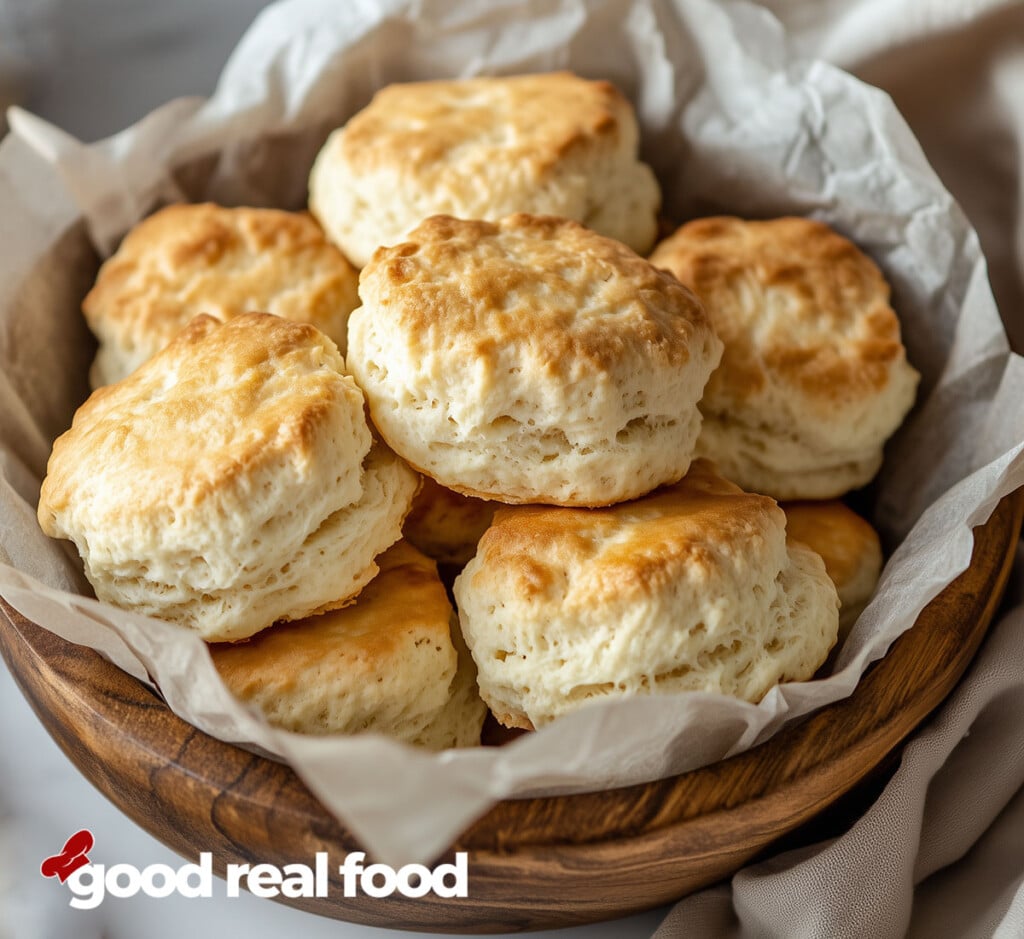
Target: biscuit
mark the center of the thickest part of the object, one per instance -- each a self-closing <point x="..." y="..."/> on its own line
<point x="485" y="148"/>
<point x="446" y="525"/>
<point x="692" y="588"/>
<point x="191" y="259"/>
<point x="814" y="377"/>
<point x="460" y="722"/>
<point x="388" y="664"/>
<point x="848" y="545"/>
<point x="229" y="482"/>
<point x="531" y="361"/>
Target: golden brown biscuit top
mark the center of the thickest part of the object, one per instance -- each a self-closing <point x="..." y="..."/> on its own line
<point x="189" y="259"/>
<point x="700" y="527"/>
<point x="206" y="415"/>
<point x="406" y="602"/>
<point x="845" y="541"/>
<point x="446" y="524"/>
<point x="572" y="296"/>
<point x="527" y="121"/>
<point x="793" y="301"/>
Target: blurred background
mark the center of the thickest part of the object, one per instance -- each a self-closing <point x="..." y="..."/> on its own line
<point x="94" y="66"/>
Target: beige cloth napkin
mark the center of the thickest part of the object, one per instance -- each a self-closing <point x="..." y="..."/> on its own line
<point x="941" y="852"/>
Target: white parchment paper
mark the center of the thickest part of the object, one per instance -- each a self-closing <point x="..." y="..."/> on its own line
<point x="731" y="121"/>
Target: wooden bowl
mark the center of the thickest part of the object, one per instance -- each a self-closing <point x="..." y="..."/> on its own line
<point x="533" y="863"/>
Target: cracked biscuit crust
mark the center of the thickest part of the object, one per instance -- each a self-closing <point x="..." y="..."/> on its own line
<point x="814" y="377"/>
<point x="548" y="144"/>
<point x="692" y="588"/>
<point x="531" y="361"/>
<point x="190" y="259"/>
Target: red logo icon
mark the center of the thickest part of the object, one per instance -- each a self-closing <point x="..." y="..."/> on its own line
<point x="73" y="856"/>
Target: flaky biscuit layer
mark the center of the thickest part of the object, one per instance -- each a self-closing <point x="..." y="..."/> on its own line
<point x="692" y="588"/>
<point x="531" y="361"/>
<point x="814" y="377"/>
<point x="228" y="482"/>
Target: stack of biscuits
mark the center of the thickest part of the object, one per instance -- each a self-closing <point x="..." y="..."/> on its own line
<point x="280" y="450"/>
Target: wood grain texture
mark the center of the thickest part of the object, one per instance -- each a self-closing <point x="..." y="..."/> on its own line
<point x="533" y="863"/>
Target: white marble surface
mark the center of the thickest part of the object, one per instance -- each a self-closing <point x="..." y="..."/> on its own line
<point x="93" y="67"/>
